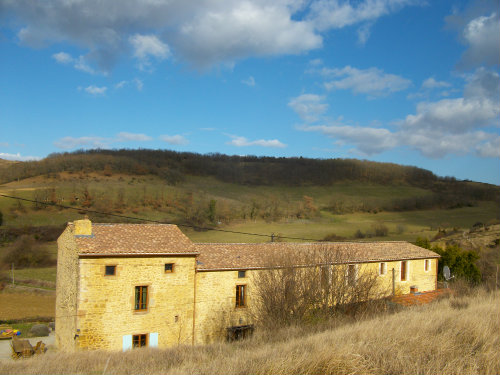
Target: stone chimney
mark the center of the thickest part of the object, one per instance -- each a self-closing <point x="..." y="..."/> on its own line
<point x="83" y="227"/>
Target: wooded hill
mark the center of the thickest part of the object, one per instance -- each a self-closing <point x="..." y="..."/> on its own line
<point x="248" y="170"/>
<point x="312" y="198"/>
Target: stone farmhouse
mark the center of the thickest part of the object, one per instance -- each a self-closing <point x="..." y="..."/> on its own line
<point x="121" y="286"/>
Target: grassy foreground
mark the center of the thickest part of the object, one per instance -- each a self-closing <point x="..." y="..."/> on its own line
<point x="451" y="336"/>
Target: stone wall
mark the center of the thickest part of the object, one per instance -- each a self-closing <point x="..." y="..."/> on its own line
<point x="106" y="303"/>
<point x="216" y="294"/>
<point x="66" y="290"/>
<point x="216" y="304"/>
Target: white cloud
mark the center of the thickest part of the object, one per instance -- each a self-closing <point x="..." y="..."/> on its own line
<point x="62" y="57"/>
<point x="146" y="46"/>
<point x="244" y="142"/>
<point x="364" y="33"/>
<point x="121" y="84"/>
<point x="79" y="64"/>
<point x="449" y="126"/>
<point x="202" y="32"/>
<point x="136" y="81"/>
<point x="95" y="90"/>
<point x="490" y="148"/>
<point x="367" y="140"/>
<point x="482" y="34"/>
<point x="138" y="84"/>
<point x="336" y="14"/>
<point x="431" y="83"/>
<point x="237" y="29"/>
<point x="17" y="157"/>
<point x="478" y="107"/>
<point x="125" y="136"/>
<point x="437" y="143"/>
<point x="4" y="144"/>
<point x="316" y="62"/>
<point x="174" y="139"/>
<point x="372" y="81"/>
<point x="250" y="81"/>
<point x="67" y="143"/>
<point x="309" y="106"/>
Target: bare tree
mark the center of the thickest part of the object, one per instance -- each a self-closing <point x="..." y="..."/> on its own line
<point x="312" y="280"/>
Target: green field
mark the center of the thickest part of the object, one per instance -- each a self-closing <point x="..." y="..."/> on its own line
<point x="405" y="225"/>
<point x="44" y="274"/>
<point x="413" y="224"/>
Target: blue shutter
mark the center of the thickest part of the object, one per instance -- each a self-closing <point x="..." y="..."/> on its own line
<point x="153" y="340"/>
<point x="127" y="342"/>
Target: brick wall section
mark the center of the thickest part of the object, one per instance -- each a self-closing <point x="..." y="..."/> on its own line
<point x="106" y="303"/>
<point x="66" y="290"/>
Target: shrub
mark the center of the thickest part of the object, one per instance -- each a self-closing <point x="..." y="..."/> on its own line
<point x="359" y="234"/>
<point x="39" y="330"/>
<point x="26" y="252"/>
<point x="380" y="230"/>
<point x="333" y="237"/>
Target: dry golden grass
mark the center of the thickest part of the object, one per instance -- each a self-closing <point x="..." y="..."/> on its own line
<point x="455" y="336"/>
<point x="26" y="305"/>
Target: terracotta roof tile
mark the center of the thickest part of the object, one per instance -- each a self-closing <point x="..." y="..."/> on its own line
<point x="134" y="239"/>
<point x="221" y="256"/>
<point x="420" y="298"/>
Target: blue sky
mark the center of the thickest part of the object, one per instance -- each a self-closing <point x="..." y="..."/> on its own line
<point x="404" y="81"/>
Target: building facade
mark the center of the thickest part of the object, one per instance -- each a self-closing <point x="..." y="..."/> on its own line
<point x="121" y="286"/>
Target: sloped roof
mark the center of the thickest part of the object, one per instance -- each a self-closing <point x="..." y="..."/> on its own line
<point x="233" y="256"/>
<point x="134" y="239"/>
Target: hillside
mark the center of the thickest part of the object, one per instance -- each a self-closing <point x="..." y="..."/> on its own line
<point x="296" y="197"/>
<point x="456" y="336"/>
<point x="6" y="163"/>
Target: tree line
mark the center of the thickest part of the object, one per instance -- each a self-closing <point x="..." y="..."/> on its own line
<point x="174" y="166"/>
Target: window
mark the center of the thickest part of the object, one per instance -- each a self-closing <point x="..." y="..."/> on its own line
<point x="110" y="271"/>
<point x="427" y="265"/>
<point x="169" y="267"/>
<point x="241" y="274"/>
<point x="404" y="270"/>
<point x="383" y="268"/>
<point x="240" y="295"/>
<point x="351" y="275"/>
<point x="326" y="276"/>
<point x="141" y="298"/>
<point x="139" y="341"/>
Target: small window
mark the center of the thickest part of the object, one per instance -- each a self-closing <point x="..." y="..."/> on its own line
<point x="382" y="268"/>
<point x="404" y="270"/>
<point x="141" y="298"/>
<point x="351" y="275"/>
<point x="169" y="267"/>
<point x="241" y="274"/>
<point x="110" y="271"/>
<point x="240" y="295"/>
<point x="427" y="265"/>
<point x="139" y="341"/>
